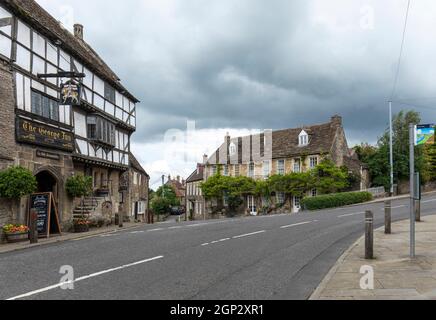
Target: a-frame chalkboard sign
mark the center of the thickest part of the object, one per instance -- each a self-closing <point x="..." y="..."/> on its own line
<point x="47" y="212"/>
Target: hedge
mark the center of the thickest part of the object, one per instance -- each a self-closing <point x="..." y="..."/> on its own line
<point x="335" y="200"/>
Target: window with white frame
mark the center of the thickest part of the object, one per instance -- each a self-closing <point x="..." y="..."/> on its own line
<point x="313" y="162"/>
<point x="297" y="165"/>
<point x="214" y="170"/>
<point x="280" y="198"/>
<point x="297" y="202"/>
<point x="226" y="200"/>
<point x="226" y="170"/>
<point x="266" y="168"/>
<point x="314" y="192"/>
<point x="281" y="167"/>
<point x="141" y="207"/>
<point x="303" y="138"/>
<point x="251" y="169"/>
<point x="5" y="33"/>
<point x="237" y="170"/>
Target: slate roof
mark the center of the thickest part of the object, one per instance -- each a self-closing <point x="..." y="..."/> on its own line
<point x="134" y="163"/>
<point x="32" y="13"/>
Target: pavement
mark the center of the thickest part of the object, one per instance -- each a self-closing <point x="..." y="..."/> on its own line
<point x="256" y="258"/>
<point x="396" y="276"/>
<point x="66" y="236"/>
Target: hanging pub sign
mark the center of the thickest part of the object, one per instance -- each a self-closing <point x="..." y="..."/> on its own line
<point x="70" y="93"/>
<point x="47" y="221"/>
<point x="424" y="134"/>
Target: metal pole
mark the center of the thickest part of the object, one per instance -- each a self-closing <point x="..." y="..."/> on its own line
<point x="412" y="189"/>
<point x="391" y="149"/>
<point x="388" y="216"/>
<point x="369" y="235"/>
<point x="33" y="232"/>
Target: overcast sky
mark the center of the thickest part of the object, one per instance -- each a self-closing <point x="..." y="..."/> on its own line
<point x="240" y="65"/>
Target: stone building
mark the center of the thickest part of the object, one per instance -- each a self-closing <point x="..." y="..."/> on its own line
<point x="281" y="152"/>
<point x="43" y="133"/>
<point x="137" y="196"/>
<point x="195" y="203"/>
<point x="179" y="187"/>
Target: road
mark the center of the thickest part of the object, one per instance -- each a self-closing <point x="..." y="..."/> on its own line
<point x="256" y="258"/>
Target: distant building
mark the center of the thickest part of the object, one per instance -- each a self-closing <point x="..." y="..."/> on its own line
<point x="281" y="152"/>
<point x="179" y="187"/>
<point x="195" y="204"/>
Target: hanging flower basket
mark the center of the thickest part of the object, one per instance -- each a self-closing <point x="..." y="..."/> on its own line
<point x="16" y="233"/>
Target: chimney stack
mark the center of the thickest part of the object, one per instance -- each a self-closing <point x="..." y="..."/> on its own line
<point x="178" y="178"/>
<point x="205" y="158"/>
<point x="336" y="121"/>
<point x="78" y="31"/>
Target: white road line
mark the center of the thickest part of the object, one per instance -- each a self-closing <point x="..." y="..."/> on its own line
<point x="32" y="293"/>
<point x="177" y="227"/>
<point x="397" y="207"/>
<point x="205" y="244"/>
<point x="158" y="229"/>
<point x="427" y="201"/>
<point x="351" y="214"/>
<point x="249" y="234"/>
<point x="109" y="235"/>
<point x="135" y="232"/>
<point x="297" y="224"/>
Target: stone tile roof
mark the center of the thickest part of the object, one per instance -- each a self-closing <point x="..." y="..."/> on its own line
<point x="285" y="143"/>
<point x="197" y="175"/>
<point x="32" y="13"/>
<point x="134" y="163"/>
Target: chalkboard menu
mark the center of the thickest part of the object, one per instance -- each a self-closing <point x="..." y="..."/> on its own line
<point x="47" y="217"/>
<point x="41" y="203"/>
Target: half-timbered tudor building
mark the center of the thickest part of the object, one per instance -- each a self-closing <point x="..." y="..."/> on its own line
<point x="53" y="140"/>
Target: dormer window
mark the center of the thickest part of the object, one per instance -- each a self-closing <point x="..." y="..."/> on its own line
<point x="303" y="139"/>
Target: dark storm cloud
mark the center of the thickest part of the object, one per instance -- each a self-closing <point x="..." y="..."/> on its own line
<point x="260" y="64"/>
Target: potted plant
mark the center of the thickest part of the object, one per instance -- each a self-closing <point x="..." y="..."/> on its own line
<point x="81" y="225"/>
<point x="16" y="233"/>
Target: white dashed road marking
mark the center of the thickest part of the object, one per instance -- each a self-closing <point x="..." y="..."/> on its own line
<point x="249" y="234"/>
<point x="298" y="224"/>
<point x="32" y="293"/>
<point x="351" y="214"/>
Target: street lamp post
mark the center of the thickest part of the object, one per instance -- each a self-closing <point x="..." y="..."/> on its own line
<point x="391" y="151"/>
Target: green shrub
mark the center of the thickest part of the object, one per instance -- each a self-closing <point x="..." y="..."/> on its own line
<point x="79" y="185"/>
<point x="335" y="200"/>
<point x="161" y="206"/>
<point x="17" y="182"/>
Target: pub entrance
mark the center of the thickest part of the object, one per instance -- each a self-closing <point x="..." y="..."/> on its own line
<point x="47" y="182"/>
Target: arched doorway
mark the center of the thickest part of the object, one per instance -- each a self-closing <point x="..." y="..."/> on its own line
<point x="46" y="182"/>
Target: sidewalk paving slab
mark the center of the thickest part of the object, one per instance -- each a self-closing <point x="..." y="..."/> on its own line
<point x="396" y="276"/>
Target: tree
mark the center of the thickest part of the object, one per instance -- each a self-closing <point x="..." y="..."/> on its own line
<point x="16" y="182"/>
<point x="168" y="193"/>
<point x="327" y="178"/>
<point x="377" y="158"/>
<point x="160" y="205"/>
<point x="79" y="185"/>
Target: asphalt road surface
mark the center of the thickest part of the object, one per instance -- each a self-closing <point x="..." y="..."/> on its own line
<point x="258" y="258"/>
